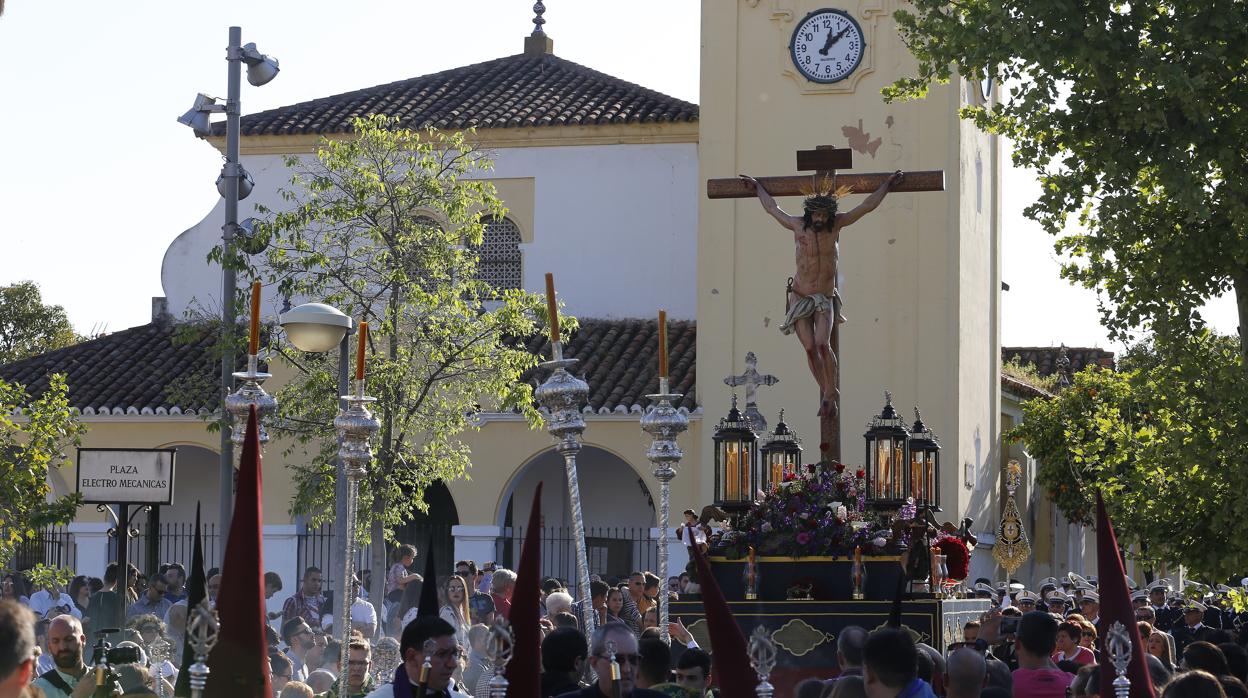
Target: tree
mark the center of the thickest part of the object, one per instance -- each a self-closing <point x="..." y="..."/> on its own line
<point x="1133" y="115"/>
<point x="27" y="326"/>
<point x="385" y="226"/>
<point x="1165" y="439"/>
<point x="32" y="442"/>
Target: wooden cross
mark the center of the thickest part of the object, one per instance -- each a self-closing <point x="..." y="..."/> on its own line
<point x="824" y="161"/>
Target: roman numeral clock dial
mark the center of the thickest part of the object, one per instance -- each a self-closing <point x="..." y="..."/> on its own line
<point x="827" y="46"/>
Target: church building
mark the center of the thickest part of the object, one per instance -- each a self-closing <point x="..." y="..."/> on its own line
<point x="605" y="186"/>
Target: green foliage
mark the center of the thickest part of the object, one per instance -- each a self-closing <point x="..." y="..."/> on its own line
<point x="43" y="577"/>
<point x="27" y="326"/>
<point x="1029" y="374"/>
<point x="1165" y="440"/>
<point x="1132" y="113"/>
<point x="384" y="227"/>
<point x="33" y="441"/>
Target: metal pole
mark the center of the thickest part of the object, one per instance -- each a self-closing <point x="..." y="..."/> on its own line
<point x="233" y="57"/>
<point x="664" y="423"/>
<point x="123" y="563"/>
<point x="340" y="479"/>
<point x="563" y="395"/>
<point x="356" y="426"/>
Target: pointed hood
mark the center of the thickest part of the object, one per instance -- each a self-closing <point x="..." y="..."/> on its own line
<point x="196" y="590"/>
<point x="241" y="651"/>
<point x="428" y="606"/>
<point x="1116" y="606"/>
<point x="733" y="674"/>
<point x="523" y="672"/>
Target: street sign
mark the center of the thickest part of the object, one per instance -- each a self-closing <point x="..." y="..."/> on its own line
<point x="126" y="475"/>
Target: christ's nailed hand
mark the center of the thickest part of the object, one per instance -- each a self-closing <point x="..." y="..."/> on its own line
<point x="896" y="178"/>
<point x="749" y="179"/>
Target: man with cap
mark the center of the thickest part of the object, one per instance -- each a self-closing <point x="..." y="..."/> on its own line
<point x="1192" y="628"/>
<point x="1026" y="601"/>
<point x="1057" y="603"/>
<point x="1157" y="599"/>
<point x="1090" y="607"/>
<point x="1048" y="586"/>
<point x="983" y="591"/>
<point x="1139" y="599"/>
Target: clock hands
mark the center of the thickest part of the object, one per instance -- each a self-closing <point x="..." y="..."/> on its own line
<point x="832" y="39"/>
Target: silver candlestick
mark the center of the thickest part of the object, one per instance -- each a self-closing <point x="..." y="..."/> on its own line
<point x="159" y="650"/>
<point x="562" y="395"/>
<point x="664" y="423"/>
<point x="385" y="660"/>
<point x="1118" y="645"/>
<point x="356" y="426"/>
<point x="762" y="651"/>
<point x="248" y="394"/>
<point x="203" y="630"/>
<point x="498" y="648"/>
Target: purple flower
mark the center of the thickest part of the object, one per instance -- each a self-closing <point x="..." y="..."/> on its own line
<point x="803" y="538"/>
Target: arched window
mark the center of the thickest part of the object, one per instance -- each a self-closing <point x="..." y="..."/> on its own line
<point x="499" y="254"/>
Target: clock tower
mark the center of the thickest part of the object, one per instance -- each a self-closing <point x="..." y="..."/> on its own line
<point x="920" y="276"/>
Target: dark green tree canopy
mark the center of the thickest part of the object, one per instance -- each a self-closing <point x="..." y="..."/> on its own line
<point x="27" y="326"/>
<point x="1134" y="116"/>
<point x="1165" y="438"/>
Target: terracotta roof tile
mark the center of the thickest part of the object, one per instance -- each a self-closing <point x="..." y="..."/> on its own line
<point x="513" y="92"/>
<point x="1045" y="358"/>
<point x="618" y="358"/>
<point x="141" y="370"/>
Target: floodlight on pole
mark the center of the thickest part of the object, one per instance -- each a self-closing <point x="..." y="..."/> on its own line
<point x="260" y="68"/>
<point x="245" y="181"/>
<point x="233" y="184"/>
<point x="197" y="116"/>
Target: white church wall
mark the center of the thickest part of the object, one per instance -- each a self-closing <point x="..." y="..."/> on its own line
<point x="617" y="224"/>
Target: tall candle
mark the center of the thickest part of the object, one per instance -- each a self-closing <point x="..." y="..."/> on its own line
<point x="663" y="344"/>
<point x="359" y="351"/>
<point x="253" y="346"/>
<point x="552" y="308"/>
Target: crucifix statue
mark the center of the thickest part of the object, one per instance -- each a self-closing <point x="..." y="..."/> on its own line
<point x="813" y="300"/>
<point x="751" y="379"/>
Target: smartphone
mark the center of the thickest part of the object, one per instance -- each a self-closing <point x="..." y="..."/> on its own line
<point x="1009" y="625"/>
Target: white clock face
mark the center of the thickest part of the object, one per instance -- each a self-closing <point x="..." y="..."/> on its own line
<point x="827" y="46"/>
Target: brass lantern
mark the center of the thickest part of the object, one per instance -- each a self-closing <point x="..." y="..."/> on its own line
<point x="782" y="455"/>
<point x="736" y="461"/>
<point x="924" y="465"/>
<point x="888" y="475"/>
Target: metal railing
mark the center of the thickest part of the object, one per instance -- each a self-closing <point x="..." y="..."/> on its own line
<point x="175" y="542"/>
<point x="316" y="548"/>
<point x="612" y="551"/>
<point x="51" y="545"/>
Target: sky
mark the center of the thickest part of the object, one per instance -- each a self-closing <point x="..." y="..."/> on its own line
<point x="98" y="177"/>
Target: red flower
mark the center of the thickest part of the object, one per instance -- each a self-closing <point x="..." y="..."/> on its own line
<point x="860" y="474"/>
<point x="788" y="477"/>
<point x="840" y="467"/>
<point x="823" y="446"/>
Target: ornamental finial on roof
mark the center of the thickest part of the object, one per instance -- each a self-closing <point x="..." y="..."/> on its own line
<point x="538" y="20"/>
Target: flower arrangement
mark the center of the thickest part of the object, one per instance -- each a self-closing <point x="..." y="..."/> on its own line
<point x="817" y="513"/>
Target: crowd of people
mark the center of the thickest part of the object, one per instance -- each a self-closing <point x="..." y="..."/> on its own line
<point x="56" y="627"/>
<point x="1038" y="644"/>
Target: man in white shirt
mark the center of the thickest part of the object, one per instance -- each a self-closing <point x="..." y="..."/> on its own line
<point x="66" y="642"/>
<point x="49" y="598"/>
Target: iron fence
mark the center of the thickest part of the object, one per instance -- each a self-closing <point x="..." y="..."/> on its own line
<point x="51" y="545"/>
<point x="174" y="542"/>
<point x="611" y="551"/>
<point x="316" y="547"/>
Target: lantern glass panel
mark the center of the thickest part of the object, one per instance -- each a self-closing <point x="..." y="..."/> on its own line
<point x="898" y="463"/>
<point x="918" y="476"/>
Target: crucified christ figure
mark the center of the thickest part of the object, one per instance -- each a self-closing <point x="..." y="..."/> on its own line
<point x="814" y="301"/>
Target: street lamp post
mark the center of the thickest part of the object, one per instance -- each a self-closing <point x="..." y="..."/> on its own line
<point x="318" y="328"/>
<point x="233" y="184"/>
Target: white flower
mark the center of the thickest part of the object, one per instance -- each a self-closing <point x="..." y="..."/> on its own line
<point x="880" y="542"/>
